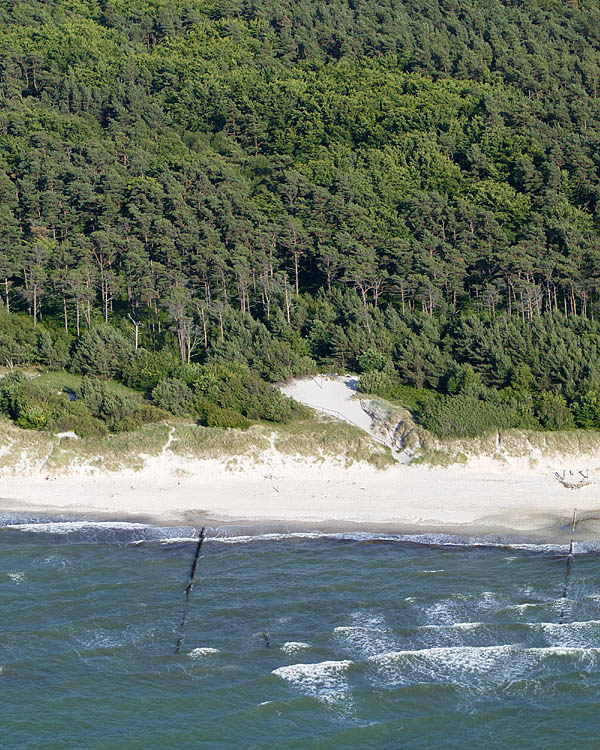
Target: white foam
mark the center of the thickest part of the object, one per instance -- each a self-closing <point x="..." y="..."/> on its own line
<point x="367" y="635"/>
<point x="455" y="626"/>
<point x="458" y="607"/>
<point x="67" y="527"/>
<point x="567" y="650"/>
<point x="174" y="540"/>
<point x="364" y="641"/>
<point x="273" y="537"/>
<point x="446" y="611"/>
<point x="17" y="577"/>
<point x="53" y="561"/>
<point x="437" y="540"/>
<point x="198" y="653"/>
<point x="441" y="570"/>
<point x="467" y="625"/>
<point x="577" y="634"/>
<point x="523" y="607"/>
<point x="326" y="681"/>
<point x="470" y="667"/>
<point x="472" y="658"/>
<point x="101" y="638"/>
<point x="292" y="647"/>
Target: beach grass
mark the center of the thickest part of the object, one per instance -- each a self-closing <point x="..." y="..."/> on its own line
<point x="317" y="439"/>
<point x="325" y="439"/>
<point x="23" y="450"/>
<point x="114" y="452"/>
<point x="195" y="441"/>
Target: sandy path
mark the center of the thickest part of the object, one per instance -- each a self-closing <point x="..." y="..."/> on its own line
<point x="334" y="396"/>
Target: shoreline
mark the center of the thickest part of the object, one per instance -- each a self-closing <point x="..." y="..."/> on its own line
<point x="480" y="535"/>
<point x="299" y="495"/>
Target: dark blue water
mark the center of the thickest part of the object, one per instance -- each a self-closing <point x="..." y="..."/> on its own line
<point x="372" y="644"/>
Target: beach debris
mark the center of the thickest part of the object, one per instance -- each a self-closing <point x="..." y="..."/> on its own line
<point x="570" y="558"/>
<point x="190" y="586"/>
<point x="570" y="481"/>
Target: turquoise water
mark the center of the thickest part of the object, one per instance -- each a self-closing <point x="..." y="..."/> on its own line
<point x="373" y="643"/>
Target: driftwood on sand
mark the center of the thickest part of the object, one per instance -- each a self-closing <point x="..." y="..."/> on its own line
<point x="573" y="485"/>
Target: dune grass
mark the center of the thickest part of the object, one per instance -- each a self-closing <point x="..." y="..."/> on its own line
<point x="326" y="438"/>
<point x="28" y="452"/>
<point x="195" y="441"/>
<point x="22" y="451"/>
<point x="114" y="452"/>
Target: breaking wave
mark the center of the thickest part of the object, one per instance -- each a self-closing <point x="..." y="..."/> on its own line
<point x="140" y="533"/>
<point x="327" y="681"/>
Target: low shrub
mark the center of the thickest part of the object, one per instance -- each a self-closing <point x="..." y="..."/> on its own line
<point x="144" y="370"/>
<point x="466" y="416"/>
<point x="210" y="415"/>
<point x="121" y="412"/>
<point x="78" y="419"/>
<point x="553" y="412"/>
<point x="237" y="388"/>
<point x="174" y="396"/>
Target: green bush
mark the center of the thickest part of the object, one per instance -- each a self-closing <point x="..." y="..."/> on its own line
<point x="145" y="369"/>
<point x="119" y="411"/>
<point x="174" y="396"/>
<point x="250" y="343"/>
<point x="375" y="382"/>
<point x="587" y="410"/>
<point x="10" y="387"/>
<point x="466" y="416"/>
<point x="30" y="404"/>
<point x="373" y="361"/>
<point x="18" y="341"/>
<point x="552" y="411"/>
<point x="53" y="353"/>
<point x="210" y="415"/>
<point x="79" y="420"/>
<point x="386" y="386"/>
<point x="33" y="416"/>
<point x="237" y="388"/>
<point x="462" y="379"/>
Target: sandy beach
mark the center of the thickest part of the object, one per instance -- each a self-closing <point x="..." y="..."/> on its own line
<point x="518" y="496"/>
<point x="479" y="498"/>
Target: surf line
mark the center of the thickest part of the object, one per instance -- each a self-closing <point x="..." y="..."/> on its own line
<point x="190" y="586"/>
<point x="570" y="559"/>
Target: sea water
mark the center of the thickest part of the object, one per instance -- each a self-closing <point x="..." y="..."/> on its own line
<point x="293" y="640"/>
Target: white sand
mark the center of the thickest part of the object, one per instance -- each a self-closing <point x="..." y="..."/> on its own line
<point x="484" y="496"/>
<point x="333" y="395"/>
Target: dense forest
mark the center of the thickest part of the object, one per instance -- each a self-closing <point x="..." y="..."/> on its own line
<point x="199" y="197"/>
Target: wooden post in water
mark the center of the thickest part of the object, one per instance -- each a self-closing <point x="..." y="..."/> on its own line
<point x="190" y="586"/>
<point x="570" y="557"/>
